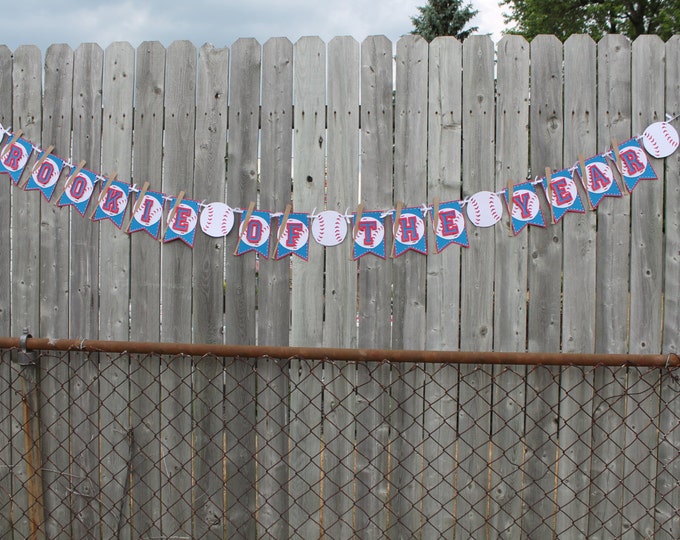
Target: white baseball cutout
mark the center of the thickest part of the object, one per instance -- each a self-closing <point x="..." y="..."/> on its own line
<point x="420" y="229"/>
<point x="81" y="191"/>
<point x="121" y="203"/>
<point x="569" y="187"/>
<point x="458" y="224"/>
<point x="264" y="235"/>
<point x="217" y="219"/>
<point x="660" y="139"/>
<point x="153" y="214"/>
<point x="329" y="228"/>
<point x="484" y="209"/>
<point x="191" y="219"/>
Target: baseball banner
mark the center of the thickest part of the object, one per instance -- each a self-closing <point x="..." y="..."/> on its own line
<point x="112" y="203"/>
<point x="14" y="157"/>
<point x="598" y="180"/>
<point x="410" y="231"/>
<point x="78" y="190"/>
<point x="369" y="235"/>
<point x="147" y="214"/>
<point x="562" y="194"/>
<point x="633" y="164"/>
<point x="524" y="207"/>
<point x="254" y="233"/>
<point x="45" y="176"/>
<point x="182" y="221"/>
<point x="448" y="224"/>
<point x="293" y="237"/>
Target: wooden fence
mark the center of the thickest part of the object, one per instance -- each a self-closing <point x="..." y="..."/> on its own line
<point x="326" y="126"/>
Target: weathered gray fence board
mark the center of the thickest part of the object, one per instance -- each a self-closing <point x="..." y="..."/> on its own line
<point x="5" y="314"/>
<point x="611" y="323"/>
<point x="274" y="289"/>
<point x="54" y="287"/>
<point x="646" y="280"/>
<point x="341" y="287"/>
<point x="25" y="303"/>
<point x="578" y="302"/>
<point x="375" y="289"/>
<point x="410" y="161"/>
<point x="208" y="277"/>
<point x="667" y="494"/>
<point x="306" y="295"/>
<point x="477" y="264"/>
<point x="145" y="297"/>
<point x="510" y="305"/>
<point x="114" y="391"/>
<point x="545" y="262"/>
<point x="240" y="285"/>
<point x="176" y="297"/>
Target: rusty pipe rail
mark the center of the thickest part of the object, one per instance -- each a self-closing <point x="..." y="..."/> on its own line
<point x="340" y="354"/>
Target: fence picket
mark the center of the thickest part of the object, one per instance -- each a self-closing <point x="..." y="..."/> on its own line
<point x="5" y="289"/>
<point x="510" y="306"/>
<point x="613" y="270"/>
<point x="477" y="263"/>
<point x="240" y="287"/>
<point x="208" y="309"/>
<point x="25" y="301"/>
<point x="375" y="289"/>
<point x="307" y="289"/>
<point x="176" y="297"/>
<point x="145" y="312"/>
<point x="341" y="288"/>
<point x="578" y="302"/>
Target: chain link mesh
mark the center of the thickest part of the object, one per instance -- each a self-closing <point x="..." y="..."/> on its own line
<point x="97" y="445"/>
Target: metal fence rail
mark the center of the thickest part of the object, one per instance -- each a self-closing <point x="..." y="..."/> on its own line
<point x="147" y="446"/>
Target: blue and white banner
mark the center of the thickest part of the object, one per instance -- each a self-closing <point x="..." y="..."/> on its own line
<point x="294" y="237"/>
<point x="79" y="189"/>
<point x="449" y="227"/>
<point x="147" y="214"/>
<point x="14" y="157"/>
<point x="182" y="221"/>
<point x="634" y="165"/>
<point x="254" y="235"/>
<point x="370" y="235"/>
<point x="599" y="181"/>
<point x="410" y="231"/>
<point x="112" y="203"/>
<point x="562" y="194"/>
<point x="524" y="207"/>
<point x="45" y="177"/>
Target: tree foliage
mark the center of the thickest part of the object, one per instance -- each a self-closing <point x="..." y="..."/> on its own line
<point x="444" y="18"/>
<point x="596" y="18"/>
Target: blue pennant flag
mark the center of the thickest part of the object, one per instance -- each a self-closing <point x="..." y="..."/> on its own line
<point x="369" y="235"/>
<point x="254" y="235"/>
<point x="562" y="194"/>
<point x="449" y="227"/>
<point x="634" y="164"/>
<point x="182" y="221"/>
<point x="112" y="203"/>
<point x="147" y="214"/>
<point x="410" y="231"/>
<point x="79" y="189"/>
<point x="294" y="238"/>
<point x="14" y="157"/>
<point x="525" y="208"/>
<point x="598" y="179"/>
<point x="45" y="177"/>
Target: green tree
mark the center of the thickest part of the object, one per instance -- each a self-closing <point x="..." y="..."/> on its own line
<point x="444" y="18"/>
<point x="596" y="18"/>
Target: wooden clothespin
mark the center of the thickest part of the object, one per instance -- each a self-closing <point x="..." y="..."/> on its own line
<point x="355" y="229"/>
<point x="510" y="204"/>
<point x="435" y="214"/>
<point x="244" y="224"/>
<point x="395" y="226"/>
<point x="549" y="191"/>
<point x="619" y="165"/>
<point x="583" y="173"/>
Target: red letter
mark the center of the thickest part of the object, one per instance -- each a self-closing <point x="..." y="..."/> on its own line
<point x="521" y="201"/>
<point x="293" y="232"/>
<point x="146" y="215"/>
<point x="632" y="162"/>
<point x="254" y="231"/>
<point x="368" y="227"/>
<point x="181" y="222"/>
<point x="13" y="156"/>
<point x="409" y="229"/>
<point x="111" y="202"/>
<point x="562" y="195"/>
<point x="449" y="223"/>
<point x="44" y="173"/>
<point x="600" y="182"/>
<point x="78" y="187"/>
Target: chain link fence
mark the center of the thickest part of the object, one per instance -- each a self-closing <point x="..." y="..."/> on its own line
<point x="107" y="445"/>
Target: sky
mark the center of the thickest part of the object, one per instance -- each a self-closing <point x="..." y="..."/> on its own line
<point x="219" y="22"/>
